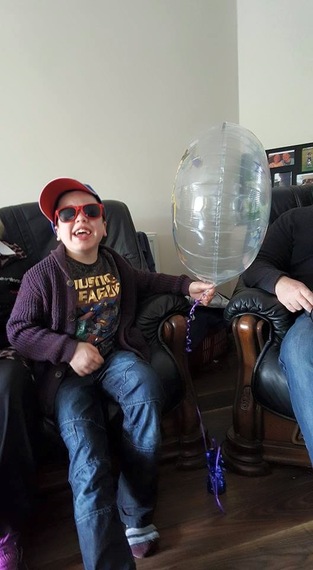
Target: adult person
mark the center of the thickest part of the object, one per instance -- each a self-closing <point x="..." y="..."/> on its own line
<point x="275" y="160"/>
<point x="284" y="267"/>
<point x="17" y="419"/>
<point x="78" y="307"/>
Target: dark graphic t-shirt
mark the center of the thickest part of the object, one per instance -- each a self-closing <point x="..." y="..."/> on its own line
<point x="98" y="292"/>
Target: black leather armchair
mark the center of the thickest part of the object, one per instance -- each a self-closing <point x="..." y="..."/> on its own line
<point x="161" y="319"/>
<point x="264" y="429"/>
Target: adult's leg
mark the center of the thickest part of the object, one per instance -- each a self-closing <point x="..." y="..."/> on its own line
<point x="17" y="432"/>
<point x="133" y="383"/>
<point x="296" y="358"/>
<point x="17" y="464"/>
<point x="80" y="417"/>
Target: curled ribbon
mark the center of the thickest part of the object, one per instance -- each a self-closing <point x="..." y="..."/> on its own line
<point x="216" y="483"/>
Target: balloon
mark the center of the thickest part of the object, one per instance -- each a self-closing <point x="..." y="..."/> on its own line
<point x="221" y="203"/>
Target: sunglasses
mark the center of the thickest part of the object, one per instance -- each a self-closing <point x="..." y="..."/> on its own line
<point x="70" y="213"/>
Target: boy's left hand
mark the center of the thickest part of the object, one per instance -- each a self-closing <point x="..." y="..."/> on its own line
<point x="202" y="291"/>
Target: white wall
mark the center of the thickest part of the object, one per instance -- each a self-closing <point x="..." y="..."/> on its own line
<point x="111" y="92"/>
<point x="275" y="55"/>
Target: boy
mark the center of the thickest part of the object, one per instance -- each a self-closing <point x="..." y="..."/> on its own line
<point x="78" y="307"/>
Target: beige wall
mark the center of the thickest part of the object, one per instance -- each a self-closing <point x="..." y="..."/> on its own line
<point x="275" y="71"/>
<point x="275" y="55"/>
<point x="112" y="93"/>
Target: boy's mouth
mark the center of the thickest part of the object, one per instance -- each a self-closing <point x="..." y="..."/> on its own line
<point x="82" y="231"/>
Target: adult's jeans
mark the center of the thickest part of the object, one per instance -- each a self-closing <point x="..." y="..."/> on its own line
<point x="17" y="434"/>
<point x="100" y="512"/>
<point x="296" y="359"/>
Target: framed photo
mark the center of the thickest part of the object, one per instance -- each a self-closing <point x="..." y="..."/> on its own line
<point x="306" y="178"/>
<point x="280" y="158"/>
<point x="290" y="164"/>
<point x="307" y="158"/>
<point x="282" y="179"/>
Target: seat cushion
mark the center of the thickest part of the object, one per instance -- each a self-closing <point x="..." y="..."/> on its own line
<point x="269" y="386"/>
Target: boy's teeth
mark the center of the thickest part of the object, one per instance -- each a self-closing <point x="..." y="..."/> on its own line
<point x="81" y="232"/>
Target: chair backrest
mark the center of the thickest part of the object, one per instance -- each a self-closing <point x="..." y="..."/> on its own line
<point x="290" y="197"/>
<point x="25" y="225"/>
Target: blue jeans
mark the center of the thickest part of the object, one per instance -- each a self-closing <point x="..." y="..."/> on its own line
<point x="296" y="359"/>
<point x="100" y="513"/>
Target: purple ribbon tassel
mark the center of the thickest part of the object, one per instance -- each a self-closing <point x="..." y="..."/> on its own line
<point x="216" y="483"/>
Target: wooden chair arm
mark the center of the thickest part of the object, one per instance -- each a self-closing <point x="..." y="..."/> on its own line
<point x="174" y="335"/>
<point x="249" y="333"/>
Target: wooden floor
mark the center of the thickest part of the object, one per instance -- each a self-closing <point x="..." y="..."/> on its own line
<point x="268" y="522"/>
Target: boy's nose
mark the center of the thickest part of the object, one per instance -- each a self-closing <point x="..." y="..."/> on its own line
<point x="81" y="215"/>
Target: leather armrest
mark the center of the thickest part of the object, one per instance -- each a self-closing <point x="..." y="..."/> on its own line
<point x="166" y="342"/>
<point x="249" y="300"/>
<point x="155" y="309"/>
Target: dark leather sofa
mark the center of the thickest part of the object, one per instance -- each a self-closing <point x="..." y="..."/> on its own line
<point x="264" y="429"/>
<point x="162" y="319"/>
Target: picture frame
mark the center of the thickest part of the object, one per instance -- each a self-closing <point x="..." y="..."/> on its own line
<point x="282" y="179"/>
<point x="307" y="158"/>
<point x="290" y="164"/>
<point x="281" y="158"/>
<point x="304" y="178"/>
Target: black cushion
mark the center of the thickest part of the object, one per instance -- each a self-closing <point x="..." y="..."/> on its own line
<point x="269" y="386"/>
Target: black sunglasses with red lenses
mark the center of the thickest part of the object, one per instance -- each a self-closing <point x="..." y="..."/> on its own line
<point x="70" y="213"/>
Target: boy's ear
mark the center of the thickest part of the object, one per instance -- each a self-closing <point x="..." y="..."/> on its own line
<point x="104" y="229"/>
<point x="55" y="231"/>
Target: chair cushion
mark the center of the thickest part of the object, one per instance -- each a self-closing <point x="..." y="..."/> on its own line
<point x="269" y="386"/>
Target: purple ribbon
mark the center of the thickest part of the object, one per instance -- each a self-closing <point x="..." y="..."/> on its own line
<point x="216" y="483"/>
<point x="190" y="318"/>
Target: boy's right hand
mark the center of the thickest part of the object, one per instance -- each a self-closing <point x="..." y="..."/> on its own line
<point x="86" y="359"/>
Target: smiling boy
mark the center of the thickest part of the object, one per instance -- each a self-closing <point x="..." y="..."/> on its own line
<point x="78" y="307"/>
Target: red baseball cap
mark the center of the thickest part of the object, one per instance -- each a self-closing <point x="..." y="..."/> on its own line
<point x="51" y="193"/>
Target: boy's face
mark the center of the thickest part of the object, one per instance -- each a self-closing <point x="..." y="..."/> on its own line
<point x="82" y="235"/>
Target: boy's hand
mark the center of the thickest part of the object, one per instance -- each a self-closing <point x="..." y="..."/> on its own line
<point x="203" y="291"/>
<point x="86" y="359"/>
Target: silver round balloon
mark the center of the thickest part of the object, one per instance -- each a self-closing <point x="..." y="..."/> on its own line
<point x="221" y="203"/>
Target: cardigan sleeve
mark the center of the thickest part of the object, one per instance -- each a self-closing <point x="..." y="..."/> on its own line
<point x="150" y="283"/>
<point x="29" y="327"/>
<point x="158" y="283"/>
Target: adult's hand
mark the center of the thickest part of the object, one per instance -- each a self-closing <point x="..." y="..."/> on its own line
<point x="293" y="294"/>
